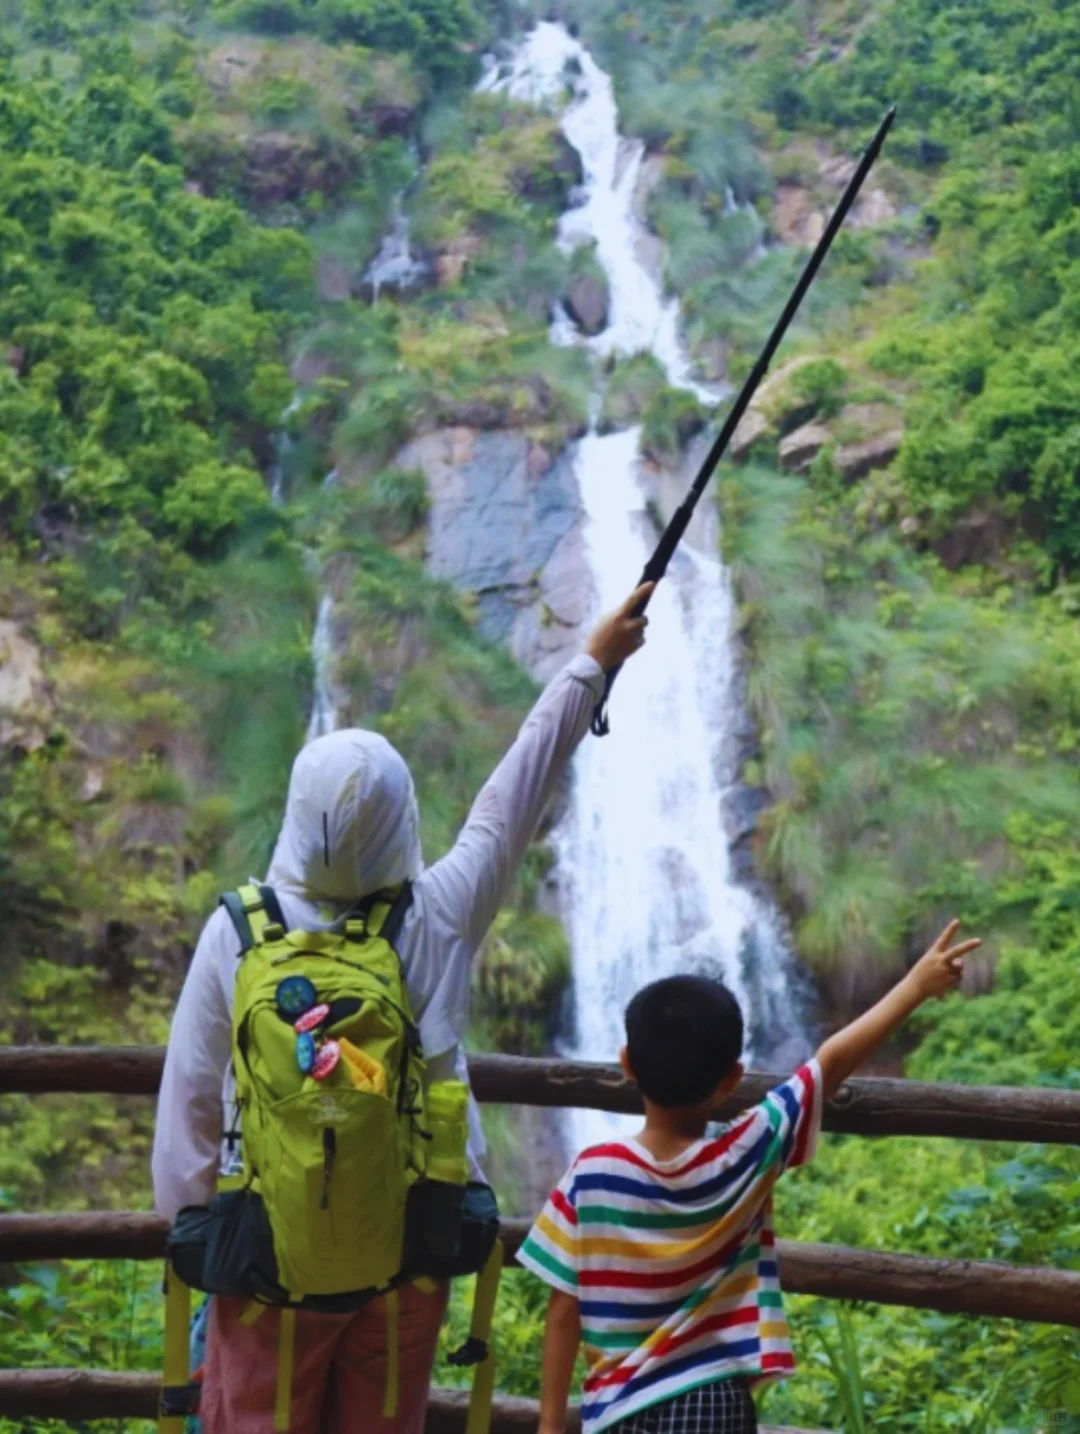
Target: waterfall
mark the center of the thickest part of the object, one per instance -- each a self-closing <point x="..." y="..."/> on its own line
<point x="325" y="700"/>
<point x="644" y="857"/>
<point x="394" y="265"/>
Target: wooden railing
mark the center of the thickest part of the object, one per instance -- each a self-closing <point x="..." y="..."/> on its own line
<point x="863" y="1107"/>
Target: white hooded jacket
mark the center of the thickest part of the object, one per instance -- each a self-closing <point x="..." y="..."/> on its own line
<point x="351" y="827"/>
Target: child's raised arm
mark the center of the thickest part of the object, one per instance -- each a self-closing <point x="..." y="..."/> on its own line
<point x="935" y="973"/>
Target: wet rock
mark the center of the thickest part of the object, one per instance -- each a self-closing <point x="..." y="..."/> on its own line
<point x="504" y="524"/>
<point x="648" y="245"/>
<point x="587" y="303"/>
<point x="799" y="449"/>
<point x="753" y="426"/>
<point x="25" y="706"/>
<point x="856" y="460"/>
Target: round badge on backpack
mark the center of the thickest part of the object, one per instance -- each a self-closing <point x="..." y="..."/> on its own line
<point x="306" y="1054"/>
<point x="294" y="996"/>
<point x="312" y="1019"/>
<point x="326" y="1059"/>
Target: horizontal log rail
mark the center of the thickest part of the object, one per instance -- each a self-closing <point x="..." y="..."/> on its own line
<point x="868" y="1106"/>
<point x="968" y="1287"/>
<point x="77" y="1394"/>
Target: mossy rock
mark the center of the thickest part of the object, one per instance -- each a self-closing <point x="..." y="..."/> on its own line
<point x="671" y="418"/>
<point x="633" y="382"/>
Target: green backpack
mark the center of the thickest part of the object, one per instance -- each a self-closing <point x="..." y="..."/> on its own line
<point x="355" y="1178"/>
<point x="333" y="1117"/>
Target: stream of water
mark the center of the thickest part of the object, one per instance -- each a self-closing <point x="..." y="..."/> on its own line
<point x="644" y="857"/>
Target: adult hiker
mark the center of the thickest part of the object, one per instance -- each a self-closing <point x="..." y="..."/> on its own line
<point x="351" y="829"/>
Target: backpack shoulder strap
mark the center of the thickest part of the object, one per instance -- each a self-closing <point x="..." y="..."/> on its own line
<point x="389" y="912"/>
<point x="252" y="909"/>
<point x="272" y="906"/>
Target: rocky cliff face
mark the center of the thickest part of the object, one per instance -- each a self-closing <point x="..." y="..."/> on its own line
<point x="505" y="525"/>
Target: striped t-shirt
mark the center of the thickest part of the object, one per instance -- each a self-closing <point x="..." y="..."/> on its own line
<point x="673" y="1262"/>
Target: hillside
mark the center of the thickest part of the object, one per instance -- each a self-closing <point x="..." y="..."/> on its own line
<point x="191" y="204"/>
<point x="216" y="426"/>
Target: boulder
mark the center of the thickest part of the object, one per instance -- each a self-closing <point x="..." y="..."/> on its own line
<point x="856" y="460"/>
<point x="799" y="449"/>
<point x="25" y="707"/>
<point x="753" y="426"/>
<point x="772" y="398"/>
<point x="587" y="303"/>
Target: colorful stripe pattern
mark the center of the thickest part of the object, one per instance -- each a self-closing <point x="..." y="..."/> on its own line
<point x="673" y="1262"/>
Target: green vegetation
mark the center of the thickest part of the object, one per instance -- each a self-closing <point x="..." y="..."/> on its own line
<point x="914" y="728"/>
<point x="910" y="621"/>
<point x="191" y="194"/>
<point x="174" y="196"/>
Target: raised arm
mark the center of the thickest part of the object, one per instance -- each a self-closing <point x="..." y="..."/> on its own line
<point x="470" y="883"/>
<point x="188" y="1131"/>
<point x="935" y="973"/>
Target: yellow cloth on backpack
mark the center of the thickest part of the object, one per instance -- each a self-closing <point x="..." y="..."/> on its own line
<point x="364" y="1072"/>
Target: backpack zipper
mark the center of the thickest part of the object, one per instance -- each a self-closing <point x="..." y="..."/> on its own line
<point x="329" y="1142"/>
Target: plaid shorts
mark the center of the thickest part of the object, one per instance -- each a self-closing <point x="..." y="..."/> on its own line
<point x="724" y="1407"/>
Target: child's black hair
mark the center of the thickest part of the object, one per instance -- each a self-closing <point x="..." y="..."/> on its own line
<point x="683" y="1035"/>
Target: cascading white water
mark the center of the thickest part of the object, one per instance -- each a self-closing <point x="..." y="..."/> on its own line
<point x="324" y="715"/>
<point x="644" y="857"/>
<point x="325" y="699"/>
<point x="395" y="266"/>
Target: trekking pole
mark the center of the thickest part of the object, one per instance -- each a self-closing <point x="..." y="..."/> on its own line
<point x="657" y="565"/>
<point x="176" y="1393"/>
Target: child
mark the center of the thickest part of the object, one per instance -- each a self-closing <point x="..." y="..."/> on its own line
<point x="352" y="828"/>
<point x="659" y="1248"/>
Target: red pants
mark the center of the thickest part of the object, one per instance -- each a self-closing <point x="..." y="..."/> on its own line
<point x="339" y="1368"/>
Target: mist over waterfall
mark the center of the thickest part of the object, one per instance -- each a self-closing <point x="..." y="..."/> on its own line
<point x="644" y="856"/>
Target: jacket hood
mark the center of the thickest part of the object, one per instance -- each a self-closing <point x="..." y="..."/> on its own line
<point x="351" y="822"/>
